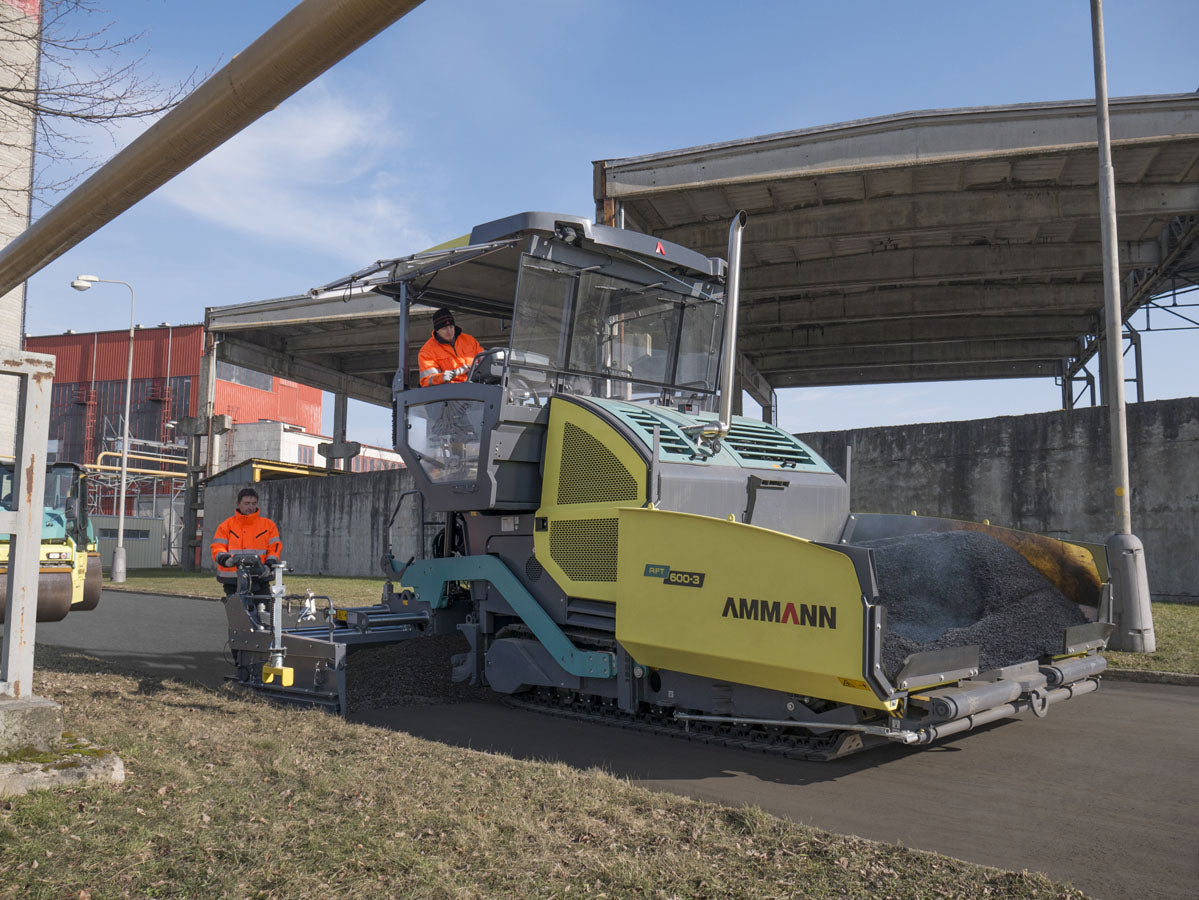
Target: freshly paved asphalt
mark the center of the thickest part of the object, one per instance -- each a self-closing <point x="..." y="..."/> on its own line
<point x="1103" y="792"/>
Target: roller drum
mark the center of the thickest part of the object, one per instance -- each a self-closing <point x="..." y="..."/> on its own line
<point x="968" y="701"/>
<point x="93" y="583"/>
<point x="54" y="591"/>
<point x="1070" y="670"/>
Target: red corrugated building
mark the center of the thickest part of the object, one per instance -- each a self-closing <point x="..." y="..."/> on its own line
<point x="87" y="405"/>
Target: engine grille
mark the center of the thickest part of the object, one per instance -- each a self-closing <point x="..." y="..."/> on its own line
<point x="590" y="472"/>
<point x="585" y="549"/>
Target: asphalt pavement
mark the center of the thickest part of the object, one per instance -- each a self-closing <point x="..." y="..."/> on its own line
<point x="1103" y="792"/>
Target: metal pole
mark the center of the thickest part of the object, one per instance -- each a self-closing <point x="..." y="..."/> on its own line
<point x="1113" y="315"/>
<point x="117" y="574"/>
<point x="1126" y="557"/>
<point x="210" y="404"/>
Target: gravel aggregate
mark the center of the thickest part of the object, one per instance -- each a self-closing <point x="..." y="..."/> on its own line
<point x="410" y="673"/>
<point x="957" y="588"/>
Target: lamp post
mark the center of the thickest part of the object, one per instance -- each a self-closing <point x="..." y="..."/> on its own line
<point x="117" y="574"/>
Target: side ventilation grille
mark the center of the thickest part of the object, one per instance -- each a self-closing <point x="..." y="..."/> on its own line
<point x="590" y="472"/>
<point x="763" y="444"/>
<point x="585" y="549"/>
<point x="671" y="442"/>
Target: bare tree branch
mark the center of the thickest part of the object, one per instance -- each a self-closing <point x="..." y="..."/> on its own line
<point x="78" y="79"/>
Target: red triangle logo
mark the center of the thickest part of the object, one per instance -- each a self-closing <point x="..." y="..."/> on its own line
<point x="660" y="249"/>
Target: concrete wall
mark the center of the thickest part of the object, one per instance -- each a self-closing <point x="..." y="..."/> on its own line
<point x="330" y="525"/>
<point x="1049" y="473"/>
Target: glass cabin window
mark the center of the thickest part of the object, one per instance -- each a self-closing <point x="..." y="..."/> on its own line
<point x="590" y="332"/>
<point x="446" y="434"/>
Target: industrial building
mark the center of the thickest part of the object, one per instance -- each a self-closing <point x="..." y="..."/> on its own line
<point x="272" y="418"/>
<point x="86" y="417"/>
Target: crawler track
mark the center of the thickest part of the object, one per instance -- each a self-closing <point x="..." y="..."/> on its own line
<point x="793" y="744"/>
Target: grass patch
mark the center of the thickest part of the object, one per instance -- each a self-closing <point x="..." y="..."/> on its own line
<point x="344" y="591"/>
<point x="1176" y="627"/>
<point x="230" y="797"/>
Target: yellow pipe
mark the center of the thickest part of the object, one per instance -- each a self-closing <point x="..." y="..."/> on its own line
<point x="158" y="472"/>
<point x="163" y="456"/>
<point x="152" y="457"/>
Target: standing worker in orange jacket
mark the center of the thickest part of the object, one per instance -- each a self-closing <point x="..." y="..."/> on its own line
<point x="242" y="532"/>
<point x="448" y="353"/>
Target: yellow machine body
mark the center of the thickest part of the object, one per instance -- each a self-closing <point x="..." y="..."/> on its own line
<point x="591" y="472"/>
<point x="738" y="603"/>
<point x="696" y="594"/>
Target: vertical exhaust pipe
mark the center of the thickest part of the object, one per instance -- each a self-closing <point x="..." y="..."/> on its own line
<point x="732" y="298"/>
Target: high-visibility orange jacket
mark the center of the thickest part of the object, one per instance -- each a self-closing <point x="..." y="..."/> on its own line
<point x="239" y="534"/>
<point x="437" y="358"/>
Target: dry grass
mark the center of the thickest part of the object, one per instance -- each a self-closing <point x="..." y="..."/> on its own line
<point x="230" y="797"/>
<point x="1176" y="627"/>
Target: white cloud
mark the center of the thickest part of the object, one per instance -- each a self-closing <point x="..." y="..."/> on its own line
<point x="317" y="173"/>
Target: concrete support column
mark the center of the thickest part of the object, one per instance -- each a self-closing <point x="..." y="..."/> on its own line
<point x="22" y="522"/>
<point x="340" y="449"/>
<point x="340" y="412"/>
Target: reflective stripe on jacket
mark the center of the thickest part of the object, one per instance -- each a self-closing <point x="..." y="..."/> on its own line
<point x="239" y="534"/>
<point x="436" y="357"/>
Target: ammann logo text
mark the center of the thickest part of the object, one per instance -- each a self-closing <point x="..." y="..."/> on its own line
<point x="672" y="576"/>
<point x="811" y="614"/>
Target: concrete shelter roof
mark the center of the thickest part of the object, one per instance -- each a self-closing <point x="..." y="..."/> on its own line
<point x="933" y="245"/>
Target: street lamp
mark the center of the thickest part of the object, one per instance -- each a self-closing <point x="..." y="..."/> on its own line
<point x="117" y="575"/>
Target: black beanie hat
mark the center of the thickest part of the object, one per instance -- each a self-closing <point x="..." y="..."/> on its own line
<point x="441" y="318"/>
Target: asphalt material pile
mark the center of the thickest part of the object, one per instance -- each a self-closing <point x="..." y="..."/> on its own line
<point x="957" y="588"/>
<point x="410" y="673"/>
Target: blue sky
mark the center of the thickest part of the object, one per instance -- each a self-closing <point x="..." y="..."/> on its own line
<point x="468" y="110"/>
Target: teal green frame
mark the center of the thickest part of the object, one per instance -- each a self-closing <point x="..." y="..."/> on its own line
<point x="428" y="577"/>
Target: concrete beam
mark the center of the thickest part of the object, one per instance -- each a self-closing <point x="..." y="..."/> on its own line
<point x="910" y="138"/>
<point x="254" y="356"/>
<point x="958" y="371"/>
<point x="939" y="265"/>
<point x="303" y="309"/>
<point x="922" y="331"/>
<point x="754" y="382"/>
<point x="877" y="218"/>
<point x="899" y="303"/>
<point x="916" y="354"/>
<point x="377" y="363"/>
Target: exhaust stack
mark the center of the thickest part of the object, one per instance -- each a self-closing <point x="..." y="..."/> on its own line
<point x="732" y="296"/>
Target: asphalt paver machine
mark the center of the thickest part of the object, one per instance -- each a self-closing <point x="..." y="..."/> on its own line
<point x="617" y="545"/>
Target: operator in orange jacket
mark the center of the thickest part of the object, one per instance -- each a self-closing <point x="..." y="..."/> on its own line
<point x="245" y="531"/>
<point x="448" y="353"/>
